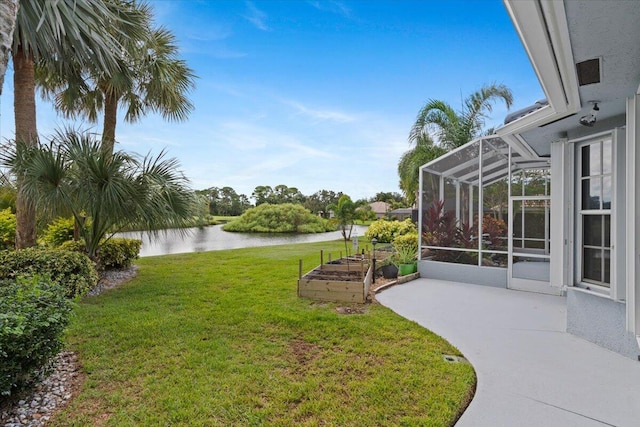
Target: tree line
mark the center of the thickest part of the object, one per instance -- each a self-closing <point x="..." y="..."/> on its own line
<point x="225" y="201"/>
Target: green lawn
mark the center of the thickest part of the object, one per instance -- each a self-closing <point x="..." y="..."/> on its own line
<point x="220" y="338"/>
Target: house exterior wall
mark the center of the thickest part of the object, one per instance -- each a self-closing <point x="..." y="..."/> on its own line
<point x="602" y="321"/>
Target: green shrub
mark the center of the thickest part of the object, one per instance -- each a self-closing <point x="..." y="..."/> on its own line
<point x="282" y="218"/>
<point x="406" y="248"/>
<point x="386" y="231"/>
<point x="7" y="229"/>
<point x="58" y="232"/>
<point x="33" y="315"/>
<point x="114" y="253"/>
<point x="75" y="272"/>
<point x="118" y="252"/>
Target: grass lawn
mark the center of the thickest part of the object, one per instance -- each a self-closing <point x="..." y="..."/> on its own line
<point x="220" y="338"/>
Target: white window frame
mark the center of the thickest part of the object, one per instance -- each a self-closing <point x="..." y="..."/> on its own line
<point x="578" y="249"/>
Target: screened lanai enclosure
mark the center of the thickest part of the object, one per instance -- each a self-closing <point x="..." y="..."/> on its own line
<point x="484" y="216"/>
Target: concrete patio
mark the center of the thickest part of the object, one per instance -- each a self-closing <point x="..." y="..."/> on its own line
<point x="530" y="371"/>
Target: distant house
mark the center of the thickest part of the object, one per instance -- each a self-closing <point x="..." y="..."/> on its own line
<point x="380" y="209"/>
<point x="564" y="172"/>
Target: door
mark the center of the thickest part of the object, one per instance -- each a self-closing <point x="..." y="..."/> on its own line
<point x="529" y="244"/>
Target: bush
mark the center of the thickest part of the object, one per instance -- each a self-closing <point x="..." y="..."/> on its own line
<point x="7" y="229"/>
<point x="58" y="232"/>
<point x="118" y="252"/>
<point x="114" y="253"/>
<point x="282" y="218"/>
<point x="75" y="272"/>
<point x="386" y="231"/>
<point x="33" y="315"/>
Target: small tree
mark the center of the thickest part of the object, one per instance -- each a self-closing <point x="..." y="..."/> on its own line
<point x="72" y="175"/>
<point x="345" y="213"/>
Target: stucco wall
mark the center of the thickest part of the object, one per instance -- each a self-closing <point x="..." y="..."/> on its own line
<point x="601" y="321"/>
<point x="488" y="276"/>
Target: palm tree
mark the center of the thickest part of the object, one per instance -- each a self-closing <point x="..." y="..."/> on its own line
<point x="72" y="175"/>
<point x="409" y="165"/>
<point x="8" y="14"/>
<point x="453" y="129"/>
<point x="151" y="77"/>
<point x="56" y="35"/>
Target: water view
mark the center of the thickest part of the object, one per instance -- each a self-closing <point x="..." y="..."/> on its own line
<point x="213" y="238"/>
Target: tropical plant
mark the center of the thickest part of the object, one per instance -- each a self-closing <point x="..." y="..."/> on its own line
<point x="385" y="231"/>
<point x="57" y="35"/>
<point x="7" y="229"/>
<point x="455" y="128"/>
<point x="150" y="78"/>
<point x="409" y="165"/>
<point x="345" y="213"/>
<point x="8" y="14"/>
<point x="71" y="175"/>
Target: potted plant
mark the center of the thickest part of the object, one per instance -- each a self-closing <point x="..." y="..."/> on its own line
<point x="389" y="269"/>
<point x="406" y="251"/>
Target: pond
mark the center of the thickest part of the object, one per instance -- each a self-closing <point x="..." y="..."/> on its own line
<point x="213" y="238"/>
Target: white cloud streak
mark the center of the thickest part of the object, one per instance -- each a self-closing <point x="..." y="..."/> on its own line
<point x="257" y="17"/>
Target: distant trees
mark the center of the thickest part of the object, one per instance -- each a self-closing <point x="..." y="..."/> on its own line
<point x="278" y="195"/>
<point x="319" y="201"/>
<point x="225" y="201"/>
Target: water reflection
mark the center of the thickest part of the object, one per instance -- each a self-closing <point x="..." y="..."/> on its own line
<point x="213" y="238"/>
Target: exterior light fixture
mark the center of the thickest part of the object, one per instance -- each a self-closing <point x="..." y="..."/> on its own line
<point x="590" y="119"/>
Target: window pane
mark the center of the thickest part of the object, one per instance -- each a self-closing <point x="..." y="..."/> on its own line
<point x="606" y="192"/>
<point x="607" y="268"/>
<point x="592" y="230"/>
<point x="591" y="160"/>
<point x="592" y="264"/>
<point x="606" y="156"/>
<point x="591" y="193"/>
<point x="607" y="230"/>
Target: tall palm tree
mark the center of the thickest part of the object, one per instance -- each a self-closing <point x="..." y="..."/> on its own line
<point x="409" y="165"/>
<point x="73" y="175"/>
<point x="151" y="77"/>
<point x="56" y="34"/>
<point x="455" y="128"/>
<point x="8" y="14"/>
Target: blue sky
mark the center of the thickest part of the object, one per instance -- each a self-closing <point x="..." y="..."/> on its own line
<point x="317" y="94"/>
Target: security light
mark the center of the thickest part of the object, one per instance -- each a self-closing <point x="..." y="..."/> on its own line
<point x="590" y="119"/>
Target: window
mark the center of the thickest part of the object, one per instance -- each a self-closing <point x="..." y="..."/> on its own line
<point x="594" y="213"/>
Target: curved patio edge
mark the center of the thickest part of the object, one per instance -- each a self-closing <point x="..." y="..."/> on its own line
<point x="530" y="372"/>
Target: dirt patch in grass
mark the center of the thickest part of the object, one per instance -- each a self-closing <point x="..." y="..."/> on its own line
<point x="303" y="351"/>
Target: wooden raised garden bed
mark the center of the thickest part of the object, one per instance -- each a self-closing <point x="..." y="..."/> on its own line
<point x="342" y="280"/>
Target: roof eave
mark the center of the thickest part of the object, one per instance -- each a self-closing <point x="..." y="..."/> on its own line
<point x="543" y="31"/>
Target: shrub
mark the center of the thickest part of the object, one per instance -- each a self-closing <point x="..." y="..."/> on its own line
<point x="281" y="218"/>
<point x="114" y="253"/>
<point x="7" y="229"/>
<point x="386" y="231"/>
<point x="75" y="272"/>
<point x="33" y="315"/>
<point x="118" y="252"/>
<point x="58" y="232"/>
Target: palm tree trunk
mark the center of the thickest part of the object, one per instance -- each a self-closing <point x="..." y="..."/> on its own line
<point x="24" y="106"/>
<point x="8" y="13"/>
<point x="110" y="119"/>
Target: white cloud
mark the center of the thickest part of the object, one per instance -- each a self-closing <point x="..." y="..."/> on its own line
<point x="332" y="6"/>
<point x="257" y="17"/>
<point x="319" y="114"/>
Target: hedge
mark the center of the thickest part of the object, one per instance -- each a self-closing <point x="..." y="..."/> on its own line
<point x="34" y="313"/>
<point x="75" y="272"/>
<point x="114" y="253"/>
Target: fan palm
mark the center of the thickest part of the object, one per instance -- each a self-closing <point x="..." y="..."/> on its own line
<point x="8" y="14"/>
<point x="72" y="175"/>
<point x="455" y="128"/>
<point x="151" y="77"/>
<point x="409" y="165"/>
<point x="56" y="34"/>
